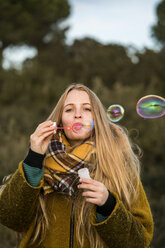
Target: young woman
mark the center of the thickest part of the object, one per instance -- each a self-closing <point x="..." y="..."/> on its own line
<point x="51" y="207"/>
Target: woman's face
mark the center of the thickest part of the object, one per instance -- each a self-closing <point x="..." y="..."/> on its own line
<point x="77" y="115"/>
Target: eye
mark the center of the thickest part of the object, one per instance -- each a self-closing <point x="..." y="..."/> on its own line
<point x="88" y="109"/>
<point x="68" y="110"/>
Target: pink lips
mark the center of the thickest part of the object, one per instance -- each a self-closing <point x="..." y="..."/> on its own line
<point x="77" y="126"/>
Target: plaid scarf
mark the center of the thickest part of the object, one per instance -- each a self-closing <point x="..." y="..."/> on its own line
<point x="61" y="164"/>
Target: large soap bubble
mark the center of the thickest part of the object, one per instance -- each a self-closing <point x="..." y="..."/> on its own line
<point x="151" y="106"/>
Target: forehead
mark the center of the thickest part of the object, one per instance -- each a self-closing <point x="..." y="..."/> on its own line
<point x="77" y="96"/>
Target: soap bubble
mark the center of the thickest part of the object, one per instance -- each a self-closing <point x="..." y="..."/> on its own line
<point x="151" y="106"/>
<point x="88" y="125"/>
<point x="115" y="112"/>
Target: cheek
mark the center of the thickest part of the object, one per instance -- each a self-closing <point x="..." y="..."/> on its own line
<point x="65" y="120"/>
<point x="90" y="116"/>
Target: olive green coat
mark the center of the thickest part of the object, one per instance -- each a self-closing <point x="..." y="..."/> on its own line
<point x="122" y="229"/>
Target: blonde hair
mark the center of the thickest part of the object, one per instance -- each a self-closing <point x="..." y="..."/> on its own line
<point x="115" y="165"/>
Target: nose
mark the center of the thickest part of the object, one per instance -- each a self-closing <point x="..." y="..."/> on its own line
<point x="78" y="113"/>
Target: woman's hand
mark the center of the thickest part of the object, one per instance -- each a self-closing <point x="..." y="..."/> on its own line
<point x="39" y="140"/>
<point x="96" y="192"/>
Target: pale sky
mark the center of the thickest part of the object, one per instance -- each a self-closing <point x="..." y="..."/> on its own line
<point x="127" y="22"/>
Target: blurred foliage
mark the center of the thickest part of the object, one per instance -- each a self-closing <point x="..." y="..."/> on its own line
<point x="112" y="71"/>
<point x="30" y="21"/>
<point x="158" y="30"/>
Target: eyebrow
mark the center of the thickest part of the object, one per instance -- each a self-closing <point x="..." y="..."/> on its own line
<point x="73" y="104"/>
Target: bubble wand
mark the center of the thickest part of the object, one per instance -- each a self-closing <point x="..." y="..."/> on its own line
<point x="76" y="127"/>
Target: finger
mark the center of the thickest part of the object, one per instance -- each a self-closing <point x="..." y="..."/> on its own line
<point x="92" y="200"/>
<point x="88" y="186"/>
<point x="45" y="124"/>
<point x="45" y="130"/>
<point x="44" y="127"/>
<point x="45" y="135"/>
<point x="47" y="139"/>
<point x="89" y="181"/>
<point x="90" y="194"/>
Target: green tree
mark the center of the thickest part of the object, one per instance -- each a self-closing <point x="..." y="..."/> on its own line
<point x="31" y="22"/>
<point x="90" y="59"/>
<point x="149" y="72"/>
<point x="158" y="30"/>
